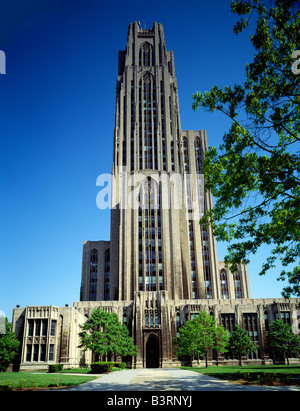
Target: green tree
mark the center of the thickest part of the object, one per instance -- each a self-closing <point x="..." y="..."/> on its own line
<point x="200" y="335"/>
<point x="281" y="340"/>
<point x="240" y="343"/>
<point x="255" y="173"/>
<point x="9" y="346"/>
<point x="104" y="335"/>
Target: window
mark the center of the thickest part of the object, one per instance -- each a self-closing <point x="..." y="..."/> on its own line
<point x="43" y="352"/>
<point x="37" y="328"/>
<point x="185" y="156"/>
<point x="178" y="321"/>
<point x="198" y="158"/>
<point x="28" y="352"/>
<point x="93" y="274"/>
<point x="51" y="352"/>
<point x="237" y="286"/>
<point x="266" y="318"/>
<point x="30" y="328"/>
<point x="250" y="325"/>
<point x="106" y="274"/>
<point x="228" y="322"/>
<point x="44" y="327"/>
<point x="224" y="284"/>
<point x="53" y="328"/>
<point x="285" y="317"/>
<point x="35" y="352"/>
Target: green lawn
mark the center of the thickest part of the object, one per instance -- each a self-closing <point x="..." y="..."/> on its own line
<point x="21" y="380"/>
<point x="257" y="374"/>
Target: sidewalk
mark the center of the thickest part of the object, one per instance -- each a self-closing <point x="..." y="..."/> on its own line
<point x="161" y="379"/>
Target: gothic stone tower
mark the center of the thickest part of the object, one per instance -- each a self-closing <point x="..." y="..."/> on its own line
<point x="160" y="266"/>
<point x="156" y="240"/>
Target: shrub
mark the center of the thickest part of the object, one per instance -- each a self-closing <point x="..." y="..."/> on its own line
<point x="120" y="365"/>
<point x="55" y="367"/>
<point x="6" y="388"/>
<point x="101" y="367"/>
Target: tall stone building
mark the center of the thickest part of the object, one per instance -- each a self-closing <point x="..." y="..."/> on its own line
<point x="160" y="266"/>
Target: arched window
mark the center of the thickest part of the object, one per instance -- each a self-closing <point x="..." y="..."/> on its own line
<point x="186" y="155"/>
<point x="237" y="285"/>
<point x="198" y="157"/>
<point x="146" y="55"/>
<point x="178" y="324"/>
<point x="224" y="284"/>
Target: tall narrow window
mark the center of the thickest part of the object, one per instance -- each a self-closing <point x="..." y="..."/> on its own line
<point x="237" y="285"/>
<point x="28" y="352"/>
<point x="51" y="352"/>
<point x="198" y="158"/>
<point x="172" y="156"/>
<point x="148" y="120"/>
<point x="93" y="274"/>
<point x="224" y="284"/>
<point x="106" y="274"/>
<point x="193" y="260"/>
<point x="30" y="328"/>
<point x="206" y="263"/>
<point x="53" y="328"/>
<point x="250" y="325"/>
<point x="186" y="156"/>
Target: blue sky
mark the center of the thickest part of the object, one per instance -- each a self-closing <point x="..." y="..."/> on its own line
<point x="57" y="102"/>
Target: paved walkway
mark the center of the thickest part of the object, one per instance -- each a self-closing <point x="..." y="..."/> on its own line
<point x="161" y="379"/>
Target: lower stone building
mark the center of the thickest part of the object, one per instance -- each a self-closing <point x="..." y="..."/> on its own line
<point x="50" y="334"/>
<point x="160" y="266"/>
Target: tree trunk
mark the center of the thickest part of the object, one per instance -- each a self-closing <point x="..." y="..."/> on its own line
<point x="287" y="359"/>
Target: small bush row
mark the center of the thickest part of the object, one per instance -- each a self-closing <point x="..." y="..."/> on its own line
<point x="97" y="367"/>
<point x="101" y="367"/>
<point x="55" y="367"/>
<point x="121" y="365"/>
<point x="106" y="366"/>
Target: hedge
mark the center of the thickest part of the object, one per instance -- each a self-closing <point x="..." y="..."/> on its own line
<point x="120" y="365"/>
<point x="55" y="367"/>
<point x="101" y="367"/>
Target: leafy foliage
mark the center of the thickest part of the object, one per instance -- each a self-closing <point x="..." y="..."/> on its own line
<point x="199" y="335"/>
<point x="104" y="335"/>
<point x="255" y="174"/>
<point x="281" y="339"/>
<point x="55" y="367"/>
<point x="101" y="367"/>
<point x="240" y="343"/>
<point x="9" y="346"/>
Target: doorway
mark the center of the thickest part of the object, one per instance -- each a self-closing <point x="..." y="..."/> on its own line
<point x="152" y="351"/>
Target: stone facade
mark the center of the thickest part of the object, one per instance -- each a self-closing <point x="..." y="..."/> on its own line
<point x="160" y="266"/>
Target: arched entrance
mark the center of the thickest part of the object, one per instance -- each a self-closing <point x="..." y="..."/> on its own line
<point x="152" y="351"/>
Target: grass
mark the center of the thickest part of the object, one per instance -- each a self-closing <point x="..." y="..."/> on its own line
<point x="255" y="374"/>
<point x="86" y="370"/>
<point x="24" y="381"/>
